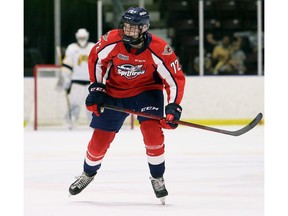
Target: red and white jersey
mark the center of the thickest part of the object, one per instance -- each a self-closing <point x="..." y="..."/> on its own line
<point x="127" y="73"/>
<point x="76" y="58"/>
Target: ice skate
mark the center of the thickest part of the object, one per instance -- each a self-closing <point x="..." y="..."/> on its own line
<point x="81" y="183"/>
<point x="160" y="191"/>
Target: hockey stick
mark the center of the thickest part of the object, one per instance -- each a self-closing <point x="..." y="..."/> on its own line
<point x="238" y="132"/>
<point x="68" y="105"/>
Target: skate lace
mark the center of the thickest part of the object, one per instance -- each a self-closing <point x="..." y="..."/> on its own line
<point x="83" y="180"/>
<point x="158" y="184"/>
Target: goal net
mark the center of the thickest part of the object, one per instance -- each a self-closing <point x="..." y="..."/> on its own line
<point x="50" y="102"/>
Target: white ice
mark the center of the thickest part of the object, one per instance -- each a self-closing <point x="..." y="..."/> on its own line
<point x="207" y="174"/>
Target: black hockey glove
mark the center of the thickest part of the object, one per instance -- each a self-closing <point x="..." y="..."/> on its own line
<point x="173" y="112"/>
<point x="96" y="98"/>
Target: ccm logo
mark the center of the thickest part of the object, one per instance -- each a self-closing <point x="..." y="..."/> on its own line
<point x="97" y="89"/>
<point x="149" y="108"/>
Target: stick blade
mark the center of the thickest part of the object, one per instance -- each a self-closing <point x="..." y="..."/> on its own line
<point x="248" y="127"/>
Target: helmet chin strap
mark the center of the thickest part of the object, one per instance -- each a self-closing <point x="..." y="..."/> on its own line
<point x="134" y="41"/>
<point x="131" y="41"/>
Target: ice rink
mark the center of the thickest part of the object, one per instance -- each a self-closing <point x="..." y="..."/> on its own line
<point x="207" y="174"/>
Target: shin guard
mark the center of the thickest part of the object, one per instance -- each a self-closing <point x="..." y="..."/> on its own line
<point x="154" y="142"/>
<point x="96" y="150"/>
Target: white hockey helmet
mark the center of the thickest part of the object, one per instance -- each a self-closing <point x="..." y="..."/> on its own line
<point x="82" y="36"/>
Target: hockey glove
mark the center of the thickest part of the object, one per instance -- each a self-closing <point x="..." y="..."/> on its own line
<point x="66" y="73"/>
<point x="96" y="98"/>
<point x="64" y="80"/>
<point x="173" y="112"/>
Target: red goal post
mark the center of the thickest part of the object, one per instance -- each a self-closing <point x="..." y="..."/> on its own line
<point x="50" y="105"/>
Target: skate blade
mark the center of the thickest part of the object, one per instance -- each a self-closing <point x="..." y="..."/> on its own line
<point x="162" y="200"/>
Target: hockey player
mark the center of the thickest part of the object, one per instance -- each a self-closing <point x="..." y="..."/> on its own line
<point x="129" y="68"/>
<point x="75" y="76"/>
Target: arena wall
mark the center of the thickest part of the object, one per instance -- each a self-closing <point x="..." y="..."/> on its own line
<point x="207" y="100"/>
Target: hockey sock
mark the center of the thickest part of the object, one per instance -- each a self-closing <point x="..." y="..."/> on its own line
<point x="157" y="171"/>
<point x="96" y="150"/>
<point x="154" y="143"/>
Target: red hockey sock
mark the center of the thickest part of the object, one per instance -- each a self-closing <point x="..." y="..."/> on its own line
<point x="98" y="146"/>
<point x="154" y="143"/>
<point x="153" y="137"/>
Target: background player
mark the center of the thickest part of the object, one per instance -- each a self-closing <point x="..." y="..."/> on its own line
<point x="130" y="68"/>
<point x="75" y="75"/>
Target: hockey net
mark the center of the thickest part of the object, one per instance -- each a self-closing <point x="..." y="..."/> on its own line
<point x="51" y="104"/>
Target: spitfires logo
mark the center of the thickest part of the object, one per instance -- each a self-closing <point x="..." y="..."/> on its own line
<point x="130" y="71"/>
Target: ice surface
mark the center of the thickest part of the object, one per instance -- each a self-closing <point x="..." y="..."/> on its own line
<point x="207" y="174"/>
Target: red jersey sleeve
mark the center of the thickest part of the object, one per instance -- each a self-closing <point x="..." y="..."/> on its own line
<point x="99" y="57"/>
<point x="169" y="69"/>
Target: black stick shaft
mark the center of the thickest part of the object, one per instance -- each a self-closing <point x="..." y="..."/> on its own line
<point x="239" y="132"/>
